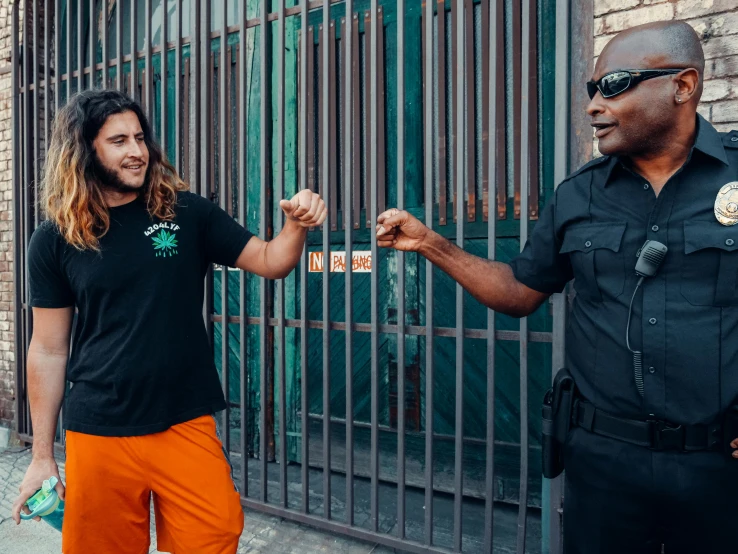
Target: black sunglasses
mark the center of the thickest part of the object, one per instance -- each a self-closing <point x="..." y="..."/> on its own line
<point x="619" y="81"/>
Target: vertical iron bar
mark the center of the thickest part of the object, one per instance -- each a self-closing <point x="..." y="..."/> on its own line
<point x="306" y="48"/>
<point x="310" y="168"/>
<point x="36" y="126"/>
<point x="471" y="172"/>
<point x="133" y="70"/>
<point x="17" y="209"/>
<point x="454" y="95"/>
<point x="185" y="163"/>
<point x="194" y="136"/>
<point x="516" y="100"/>
<point x="80" y="47"/>
<point x="149" y="71"/>
<point x="264" y="27"/>
<point x="368" y="104"/>
<point x="442" y="131"/>
<point x="459" y="205"/>
<point x="163" y="113"/>
<point x="57" y="58"/>
<point x="105" y="53"/>
<point x="348" y="39"/>
<point x="178" y="106"/>
<point x="222" y="196"/>
<point x="428" y="178"/>
<point x="372" y="221"/>
<point x="47" y="78"/>
<point x="532" y="77"/>
<point x="500" y="129"/>
<point x="486" y="71"/>
<point x="333" y="140"/>
<point x="356" y="116"/>
<point x="492" y="173"/>
<point x="93" y="43"/>
<point x="119" y="44"/>
<point x="401" y="272"/>
<point x="561" y="169"/>
<point x="68" y="45"/>
<point x="281" y="360"/>
<point x="242" y="111"/>
<point x="325" y="179"/>
<point x="26" y="184"/>
<point x="380" y="138"/>
<point x="528" y="35"/>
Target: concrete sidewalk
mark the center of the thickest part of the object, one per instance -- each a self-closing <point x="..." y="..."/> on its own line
<point x="262" y="533"/>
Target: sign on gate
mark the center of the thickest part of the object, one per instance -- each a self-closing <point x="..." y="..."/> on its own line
<point x="361" y="262"/>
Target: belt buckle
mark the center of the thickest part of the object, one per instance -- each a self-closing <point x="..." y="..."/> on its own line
<point x="666" y="436"/>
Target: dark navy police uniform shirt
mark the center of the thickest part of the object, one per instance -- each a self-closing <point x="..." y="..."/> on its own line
<point x="685" y="319"/>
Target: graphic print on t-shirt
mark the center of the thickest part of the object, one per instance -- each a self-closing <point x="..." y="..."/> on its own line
<point x="165" y="241"/>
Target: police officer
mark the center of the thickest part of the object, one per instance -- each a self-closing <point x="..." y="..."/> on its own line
<point x="646" y="460"/>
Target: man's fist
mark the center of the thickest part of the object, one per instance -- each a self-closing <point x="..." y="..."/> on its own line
<point x="400" y="230"/>
<point x="306" y="208"/>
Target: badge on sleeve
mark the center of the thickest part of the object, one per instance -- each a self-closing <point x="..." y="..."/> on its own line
<point x="726" y="204"/>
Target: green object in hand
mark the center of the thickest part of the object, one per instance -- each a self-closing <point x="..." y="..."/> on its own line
<point x="46" y="504"/>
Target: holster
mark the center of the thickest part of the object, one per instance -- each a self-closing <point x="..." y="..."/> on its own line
<point x="558" y="403"/>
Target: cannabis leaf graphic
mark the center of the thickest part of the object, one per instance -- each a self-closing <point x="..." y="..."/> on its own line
<point x="165" y="244"/>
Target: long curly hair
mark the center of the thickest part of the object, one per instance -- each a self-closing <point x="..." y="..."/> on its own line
<point x="71" y="194"/>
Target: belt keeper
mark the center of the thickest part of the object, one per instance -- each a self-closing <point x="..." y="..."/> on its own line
<point x="587" y="418"/>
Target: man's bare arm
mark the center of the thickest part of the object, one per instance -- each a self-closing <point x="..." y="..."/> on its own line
<point x="47" y="364"/>
<point x="491" y="283"/>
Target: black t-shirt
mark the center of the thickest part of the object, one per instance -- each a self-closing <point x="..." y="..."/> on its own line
<point x="140" y="359"/>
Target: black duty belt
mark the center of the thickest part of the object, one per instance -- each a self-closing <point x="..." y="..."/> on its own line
<point x="653" y="434"/>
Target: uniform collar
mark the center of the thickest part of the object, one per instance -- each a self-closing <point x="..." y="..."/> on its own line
<point x="708" y="142"/>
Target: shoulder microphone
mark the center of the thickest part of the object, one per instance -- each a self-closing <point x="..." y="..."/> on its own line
<point x="650" y="257"/>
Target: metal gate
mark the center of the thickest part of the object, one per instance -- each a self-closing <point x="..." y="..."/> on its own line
<point x="363" y="402"/>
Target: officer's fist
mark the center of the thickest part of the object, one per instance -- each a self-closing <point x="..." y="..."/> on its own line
<point x="399" y="230"/>
<point x="306" y="208"/>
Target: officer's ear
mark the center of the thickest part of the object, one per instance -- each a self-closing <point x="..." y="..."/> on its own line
<point x="689" y="86"/>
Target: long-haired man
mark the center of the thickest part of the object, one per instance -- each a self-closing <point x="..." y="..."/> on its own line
<point x="127" y="246"/>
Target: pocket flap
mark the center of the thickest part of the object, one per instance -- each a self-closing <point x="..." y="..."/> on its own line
<point x="591" y="236"/>
<point x="699" y="235"/>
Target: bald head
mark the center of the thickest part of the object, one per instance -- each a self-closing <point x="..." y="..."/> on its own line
<point x="664" y="44"/>
<point x="652" y="105"/>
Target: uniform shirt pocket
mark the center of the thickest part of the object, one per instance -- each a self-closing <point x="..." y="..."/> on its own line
<point x="597" y="259"/>
<point x="710" y="268"/>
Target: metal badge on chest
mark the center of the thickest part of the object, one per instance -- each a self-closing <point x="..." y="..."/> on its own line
<point x="726" y="204"/>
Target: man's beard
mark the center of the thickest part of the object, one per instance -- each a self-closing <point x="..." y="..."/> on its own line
<point x="109" y="179"/>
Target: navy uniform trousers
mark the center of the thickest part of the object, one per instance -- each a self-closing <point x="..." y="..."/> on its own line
<point x="625" y="499"/>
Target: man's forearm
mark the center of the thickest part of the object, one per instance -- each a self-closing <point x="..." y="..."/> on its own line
<point x="46" y="383"/>
<point x="491" y="283"/>
<point x="282" y="253"/>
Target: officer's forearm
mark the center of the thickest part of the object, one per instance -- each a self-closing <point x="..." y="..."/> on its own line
<point x="46" y="382"/>
<point x="491" y="283"/>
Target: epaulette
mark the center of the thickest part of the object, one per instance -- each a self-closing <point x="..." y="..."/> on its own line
<point x="730" y="139"/>
<point x="590" y="164"/>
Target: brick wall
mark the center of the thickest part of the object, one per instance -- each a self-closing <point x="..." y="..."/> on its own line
<point x="7" y="355"/>
<point x="716" y="21"/>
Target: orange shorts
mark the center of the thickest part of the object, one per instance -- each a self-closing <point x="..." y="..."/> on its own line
<point x="110" y="481"/>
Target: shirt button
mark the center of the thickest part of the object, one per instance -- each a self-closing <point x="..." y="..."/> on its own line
<point x="652" y="321"/>
<point x="734" y="139"/>
<point x="652" y="369"/>
<point x="645" y="186"/>
<point x="655" y="228"/>
<point x="588" y="244"/>
<point x="730" y="242"/>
